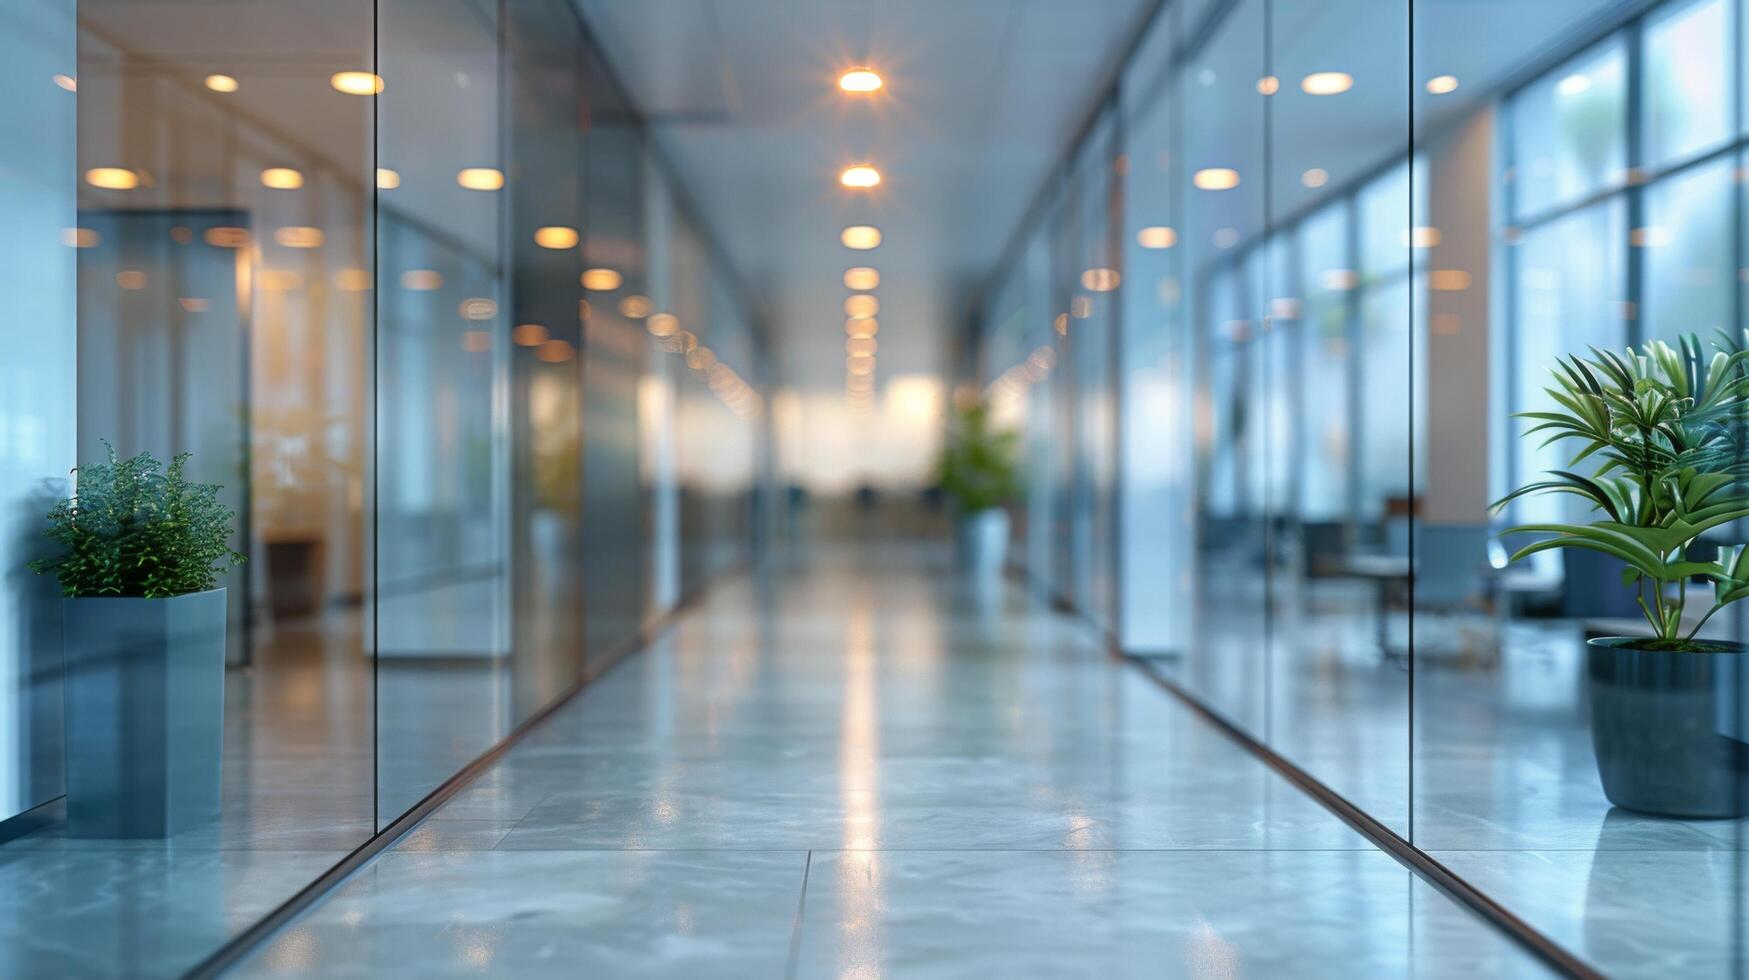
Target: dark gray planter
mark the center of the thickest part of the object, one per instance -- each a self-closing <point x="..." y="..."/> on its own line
<point x="145" y="692"/>
<point x="1664" y="725"/>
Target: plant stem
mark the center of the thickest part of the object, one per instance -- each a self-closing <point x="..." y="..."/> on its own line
<point x="1709" y="614"/>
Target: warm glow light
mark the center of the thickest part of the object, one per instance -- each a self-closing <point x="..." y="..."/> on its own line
<point x="1573" y="84"/>
<point x="227" y="236"/>
<point x="1268" y="85"/>
<point x="859" y="80"/>
<point x="601" y="280"/>
<point x="476" y="341"/>
<point x="356" y="82"/>
<point x="222" y="83"/>
<point x="282" y="178"/>
<point x="298" y="236"/>
<point x="1157" y="236"/>
<point x="635" y="307"/>
<point x="421" y="280"/>
<point x="1080" y="307"/>
<point x="388" y="179"/>
<point x="67" y="82"/>
<point x="528" y="335"/>
<point x="859" y="364"/>
<point x="477" y="308"/>
<point x="1449" y="280"/>
<point x="480" y="178"/>
<point x="131" y="279"/>
<point x="862" y="326"/>
<point x="80" y="237"/>
<point x="1441" y="84"/>
<point x="1422" y="236"/>
<point x="861" y="277"/>
<point x="861" y="237"/>
<point x="861" y="345"/>
<point x="554" y="352"/>
<point x="112" y="178"/>
<point x="862" y="305"/>
<point x="1315" y="177"/>
<point x="663" y="325"/>
<point x="1100" y="280"/>
<point x="701" y="359"/>
<point x="555" y="236"/>
<point x="1216" y="179"/>
<point x="1061" y="324"/>
<point x="1326" y="83"/>
<point x="352" y="280"/>
<point x="279" y="280"/>
<point x="862" y="176"/>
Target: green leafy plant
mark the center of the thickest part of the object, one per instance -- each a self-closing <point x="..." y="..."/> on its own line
<point x="1664" y="426"/>
<point x="977" y="465"/>
<point x="134" y="528"/>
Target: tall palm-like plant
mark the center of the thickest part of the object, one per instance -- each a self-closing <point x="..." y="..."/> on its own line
<point x="1665" y="426"/>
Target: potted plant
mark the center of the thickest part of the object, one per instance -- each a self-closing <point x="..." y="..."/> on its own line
<point x="138" y="554"/>
<point x="977" y="471"/>
<point x="1664" y="428"/>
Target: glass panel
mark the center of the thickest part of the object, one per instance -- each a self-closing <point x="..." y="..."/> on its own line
<point x="1686" y="88"/>
<point x="1569" y="131"/>
<point x="1685" y="247"/>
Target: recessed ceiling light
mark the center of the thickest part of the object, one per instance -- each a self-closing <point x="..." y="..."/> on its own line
<point x="860" y="176"/>
<point x="862" y="277"/>
<point x="356" y="82"/>
<point x="299" y="236"/>
<point x="421" y="280"/>
<point x="865" y="346"/>
<point x="862" y="305"/>
<point x="1216" y="178"/>
<point x="1157" y="236"/>
<point x="861" y="237"/>
<point x="1327" y="83"/>
<point x="635" y="307"/>
<point x="112" y="178"/>
<point x="555" y="237"/>
<point x="222" y="83"/>
<point x="480" y="178"/>
<point x="554" y="352"/>
<point x="1100" y="280"/>
<point x="1268" y="85"/>
<point x="859" y="80"/>
<point x="282" y="178"/>
<point x="388" y="179"/>
<point x="1441" y="84"/>
<point x="477" y="308"/>
<point x="529" y="335"/>
<point x="67" y="82"/>
<point x="663" y="325"/>
<point x="1315" y="177"/>
<point x="1573" y="84"/>
<point x="601" y="280"/>
<point x="862" y="326"/>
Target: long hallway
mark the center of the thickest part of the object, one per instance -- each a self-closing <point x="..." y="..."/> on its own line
<point x="854" y="768"/>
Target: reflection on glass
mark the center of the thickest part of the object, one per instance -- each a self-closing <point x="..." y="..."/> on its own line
<point x="1568" y="130"/>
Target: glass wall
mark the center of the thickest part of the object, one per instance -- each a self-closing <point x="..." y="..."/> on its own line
<point x="1335" y="285"/>
<point x="388" y="272"/>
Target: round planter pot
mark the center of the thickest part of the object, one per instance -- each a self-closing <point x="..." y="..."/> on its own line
<point x="1664" y="725"/>
<point x="981" y="542"/>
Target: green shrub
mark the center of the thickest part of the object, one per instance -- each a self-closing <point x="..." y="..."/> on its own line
<point x="977" y="466"/>
<point x="131" y="530"/>
<point x="1664" y="428"/>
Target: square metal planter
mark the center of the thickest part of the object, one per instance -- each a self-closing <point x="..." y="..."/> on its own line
<point x="145" y="699"/>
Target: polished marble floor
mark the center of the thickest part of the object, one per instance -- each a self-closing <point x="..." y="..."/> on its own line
<point x="857" y="767"/>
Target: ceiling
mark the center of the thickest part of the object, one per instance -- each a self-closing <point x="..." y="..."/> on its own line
<point x="981" y="98"/>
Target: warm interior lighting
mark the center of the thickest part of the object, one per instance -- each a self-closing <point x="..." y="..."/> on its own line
<point x="601" y="280"/>
<point x="1080" y="307"/>
<point x="1061" y="324"/>
<point x="282" y="178"/>
<point x="480" y="178"/>
<point x="1268" y="85"/>
<point x="222" y="83"/>
<point x="859" y="364"/>
<point x="860" y="176"/>
<point x="1441" y="84"/>
<point x="112" y="178"/>
<point x="861" y="278"/>
<point x="421" y="280"/>
<point x="1100" y="280"/>
<point x="227" y="236"/>
<point x="701" y="359"/>
<point x="861" y="346"/>
<point x="476" y="341"/>
<point x="1315" y="177"/>
<point x="1573" y="84"/>
<point x="352" y="280"/>
<point x="663" y="325"/>
<point x="1326" y="83"/>
<point x="555" y="236"/>
<point x="861" y="237"/>
<point x="554" y="352"/>
<point x="80" y="237"/>
<point x="67" y="82"/>
<point x="528" y="335"/>
<point x="635" y="307"/>
<point x="279" y="280"/>
<point x="1216" y="179"/>
<point x="1449" y="280"/>
<point x="477" y="308"/>
<point x="131" y="279"/>
<point x="861" y="305"/>
<point x="1423" y="236"/>
<point x="1157" y="236"/>
<point x="388" y="179"/>
<point x="298" y="236"/>
<point x="859" y="80"/>
<point x="862" y="326"/>
<point x="356" y="82"/>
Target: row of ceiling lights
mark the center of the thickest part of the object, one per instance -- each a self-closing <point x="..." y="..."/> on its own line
<point x="861" y="306"/>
